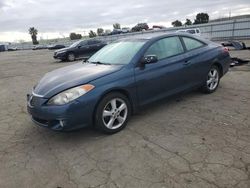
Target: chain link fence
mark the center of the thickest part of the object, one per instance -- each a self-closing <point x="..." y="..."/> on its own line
<point x="237" y="29"/>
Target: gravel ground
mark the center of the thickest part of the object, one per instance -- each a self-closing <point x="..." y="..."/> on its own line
<point x="192" y="140"/>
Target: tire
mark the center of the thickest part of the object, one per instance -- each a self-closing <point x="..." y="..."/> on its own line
<point x="212" y="81"/>
<point x="71" y="56"/>
<point x="112" y="113"/>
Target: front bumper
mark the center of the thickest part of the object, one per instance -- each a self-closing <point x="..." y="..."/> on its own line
<point x="61" y="56"/>
<point x="72" y="116"/>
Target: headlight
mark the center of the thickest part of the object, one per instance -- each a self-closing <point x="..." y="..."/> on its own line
<point x="60" y="52"/>
<point x="70" y="94"/>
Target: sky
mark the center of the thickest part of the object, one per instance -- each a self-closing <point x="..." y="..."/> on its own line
<point x="57" y="18"/>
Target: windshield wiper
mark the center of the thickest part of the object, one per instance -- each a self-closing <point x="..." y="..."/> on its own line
<point x="98" y="63"/>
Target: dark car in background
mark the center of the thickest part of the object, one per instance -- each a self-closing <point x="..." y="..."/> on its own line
<point x="156" y="27"/>
<point x="123" y="77"/>
<point x="79" y="49"/>
<point x="116" y="32"/>
<point x="56" y="47"/>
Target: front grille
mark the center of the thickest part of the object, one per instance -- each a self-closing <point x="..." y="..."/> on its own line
<point x="41" y="121"/>
<point x="46" y="123"/>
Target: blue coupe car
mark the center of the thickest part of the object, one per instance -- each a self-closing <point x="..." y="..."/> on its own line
<point x="124" y="76"/>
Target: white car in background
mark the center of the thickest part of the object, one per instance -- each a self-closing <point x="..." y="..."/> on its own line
<point x="194" y="31"/>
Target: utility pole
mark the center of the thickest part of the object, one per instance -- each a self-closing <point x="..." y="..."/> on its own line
<point x="84" y="32"/>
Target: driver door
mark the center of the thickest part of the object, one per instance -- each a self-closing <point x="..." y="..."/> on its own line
<point x="82" y="49"/>
<point x="165" y="77"/>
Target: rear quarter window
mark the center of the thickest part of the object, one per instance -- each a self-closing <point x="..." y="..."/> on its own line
<point x="191" y="43"/>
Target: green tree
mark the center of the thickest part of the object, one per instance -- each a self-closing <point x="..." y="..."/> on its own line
<point x="92" y="34"/>
<point x="33" y="33"/>
<point x="140" y="27"/>
<point x="188" y="22"/>
<point x="201" y="18"/>
<point x="177" y="23"/>
<point x="100" y="31"/>
<point x="117" y="26"/>
<point x="74" y="36"/>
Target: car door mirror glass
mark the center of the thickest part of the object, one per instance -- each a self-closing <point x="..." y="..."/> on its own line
<point x="149" y="59"/>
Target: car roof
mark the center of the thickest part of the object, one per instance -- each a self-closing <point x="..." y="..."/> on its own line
<point x="156" y="36"/>
<point x="89" y="39"/>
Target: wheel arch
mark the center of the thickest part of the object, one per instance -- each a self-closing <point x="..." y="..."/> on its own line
<point x="115" y="90"/>
<point x="70" y="52"/>
<point x="217" y="64"/>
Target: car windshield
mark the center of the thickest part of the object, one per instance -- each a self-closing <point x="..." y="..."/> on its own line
<point x="75" y="44"/>
<point x="120" y="52"/>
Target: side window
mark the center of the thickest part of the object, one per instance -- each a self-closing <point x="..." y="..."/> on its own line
<point x="83" y="43"/>
<point x="92" y="42"/>
<point x="192" y="43"/>
<point x="166" y="48"/>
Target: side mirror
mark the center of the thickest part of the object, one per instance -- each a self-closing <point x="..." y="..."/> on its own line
<point x="149" y="59"/>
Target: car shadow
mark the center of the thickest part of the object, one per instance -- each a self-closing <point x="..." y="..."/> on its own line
<point x="89" y="133"/>
<point x="81" y="135"/>
<point x="171" y="100"/>
<point x="67" y="62"/>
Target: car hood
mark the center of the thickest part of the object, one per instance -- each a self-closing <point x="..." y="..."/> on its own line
<point x="64" y="78"/>
<point x="62" y="49"/>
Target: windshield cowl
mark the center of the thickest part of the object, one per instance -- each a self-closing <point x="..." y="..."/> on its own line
<point x="98" y="63"/>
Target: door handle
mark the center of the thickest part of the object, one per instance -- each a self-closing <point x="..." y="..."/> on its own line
<point x="187" y="62"/>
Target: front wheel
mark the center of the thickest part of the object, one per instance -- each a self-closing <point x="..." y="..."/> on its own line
<point x="71" y="57"/>
<point x="213" y="80"/>
<point x="112" y="113"/>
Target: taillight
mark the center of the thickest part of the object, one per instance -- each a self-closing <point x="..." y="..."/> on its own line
<point x="225" y="49"/>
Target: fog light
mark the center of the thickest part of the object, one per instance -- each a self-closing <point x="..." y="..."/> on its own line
<point x="62" y="123"/>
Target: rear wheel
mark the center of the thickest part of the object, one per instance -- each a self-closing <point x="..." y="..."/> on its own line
<point x="213" y="80"/>
<point x="112" y="113"/>
<point x="71" y="57"/>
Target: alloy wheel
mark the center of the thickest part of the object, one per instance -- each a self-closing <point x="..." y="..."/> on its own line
<point x="115" y="113"/>
<point x="71" y="57"/>
<point x="213" y="79"/>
